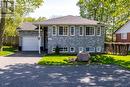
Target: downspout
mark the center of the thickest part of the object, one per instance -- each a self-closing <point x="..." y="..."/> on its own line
<point x="39" y="39"/>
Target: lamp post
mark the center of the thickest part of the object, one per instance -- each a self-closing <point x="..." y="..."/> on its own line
<point x="7" y="7"/>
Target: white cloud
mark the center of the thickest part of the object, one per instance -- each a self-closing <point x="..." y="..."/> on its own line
<point x="57" y="7"/>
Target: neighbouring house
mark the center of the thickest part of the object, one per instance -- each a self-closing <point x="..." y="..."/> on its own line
<point x="70" y="33"/>
<point x="123" y="34"/>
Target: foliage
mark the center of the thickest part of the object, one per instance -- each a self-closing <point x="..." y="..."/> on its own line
<point x="123" y="61"/>
<point x="112" y="12"/>
<point x="57" y="50"/>
<point x="30" y="19"/>
<point x="22" y="8"/>
<point x="63" y="59"/>
<point x="7" y="50"/>
<point x="54" y="59"/>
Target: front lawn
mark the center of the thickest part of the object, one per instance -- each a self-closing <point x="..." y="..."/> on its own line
<point x="54" y="59"/>
<point x="7" y="50"/>
<point x="123" y="61"/>
<point x="63" y="59"/>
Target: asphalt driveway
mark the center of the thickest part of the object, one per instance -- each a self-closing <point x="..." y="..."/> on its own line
<point x="20" y="58"/>
<point x="24" y="72"/>
<point x="32" y="75"/>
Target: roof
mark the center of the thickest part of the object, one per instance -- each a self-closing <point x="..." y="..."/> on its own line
<point x="124" y="28"/>
<point x="71" y="20"/>
<point x="27" y="26"/>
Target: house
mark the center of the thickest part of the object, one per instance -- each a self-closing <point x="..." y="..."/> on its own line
<point x="123" y="34"/>
<point x="70" y="33"/>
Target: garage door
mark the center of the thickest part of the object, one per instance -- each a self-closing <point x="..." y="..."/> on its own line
<point x="30" y="44"/>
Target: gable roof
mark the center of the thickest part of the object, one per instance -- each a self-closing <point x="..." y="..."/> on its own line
<point x="27" y="26"/>
<point x="71" y="20"/>
<point x="124" y="29"/>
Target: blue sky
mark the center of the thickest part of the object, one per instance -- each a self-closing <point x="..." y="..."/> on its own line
<point x="52" y="8"/>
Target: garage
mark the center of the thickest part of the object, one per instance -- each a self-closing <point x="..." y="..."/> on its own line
<point x="30" y="43"/>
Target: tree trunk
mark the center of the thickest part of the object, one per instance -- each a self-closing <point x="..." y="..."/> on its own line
<point x="2" y="25"/>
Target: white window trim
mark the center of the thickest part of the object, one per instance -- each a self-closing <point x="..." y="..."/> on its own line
<point x="94" y="30"/>
<point x="89" y="48"/>
<point x="82" y="31"/>
<point x="70" y="31"/>
<point x="98" y="50"/>
<point x="63" y="32"/>
<point x="72" y="51"/>
<point x="64" y="50"/>
<point x="53" y="49"/>
<point x="81" y="48"/>
<point x="100" y="31"/>
<point x="55" y="29"/>
<point x="124" y="37"/>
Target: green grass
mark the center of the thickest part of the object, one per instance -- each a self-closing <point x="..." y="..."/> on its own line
<point x="63" y="59"/>
<point x="117" y="57"/>
<point x="123" y="61"/>
<point x="53" y="59"/>
<point x="7" y="50"/>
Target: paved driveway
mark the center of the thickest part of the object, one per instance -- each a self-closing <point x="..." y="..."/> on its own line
<point x="32" y="75"/>
<point x="23" y="72"/>
<point x="20" y="58"/>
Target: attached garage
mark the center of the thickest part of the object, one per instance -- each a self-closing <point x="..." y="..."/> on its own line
<point x="30" y="43"/>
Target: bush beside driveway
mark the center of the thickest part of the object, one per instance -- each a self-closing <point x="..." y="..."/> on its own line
<point x="7" y="50"/>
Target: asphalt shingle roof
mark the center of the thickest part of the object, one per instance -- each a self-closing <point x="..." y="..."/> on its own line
<point x="27" y="26"/>
<point x="71" y="20"/>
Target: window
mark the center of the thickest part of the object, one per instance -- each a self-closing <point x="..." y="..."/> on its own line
<point x="53" y="49"/>
<point x="99" y="31"/>
<point x="72" y="49"/>
<point x="90" y="31"/>
<point x="81" y="49"/>
<point x="98" y="49"/>
<point x="65" y="49"/>
<point x="54" y="31"/>
<point x="72" y="31"/>
<point x="63" y="31"/>
<point x="90" y="49"/>
<point x="123" y="35"/>
<point x="80" y="31"/>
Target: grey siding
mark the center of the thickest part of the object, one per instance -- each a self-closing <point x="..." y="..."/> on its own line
<point x="75" y="41"/>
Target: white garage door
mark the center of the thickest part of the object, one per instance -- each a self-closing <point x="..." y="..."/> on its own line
<point x="30" y="44"/>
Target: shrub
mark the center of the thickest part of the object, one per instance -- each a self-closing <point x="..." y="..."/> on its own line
<point x="57" y="50"/>
<point x="102" y="59"/>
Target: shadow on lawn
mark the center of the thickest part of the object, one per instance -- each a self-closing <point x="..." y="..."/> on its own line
<point x="110" y="60"/>
<point x="26" y="75"/>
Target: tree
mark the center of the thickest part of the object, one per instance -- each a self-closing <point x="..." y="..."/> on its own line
<point x="22" y="8"/>
<point x="112" y="12"/>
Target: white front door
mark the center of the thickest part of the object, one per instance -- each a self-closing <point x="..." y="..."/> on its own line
<point x="30" y="43"/>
